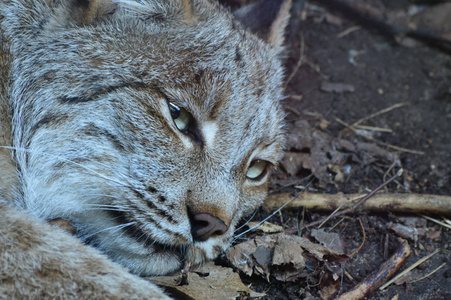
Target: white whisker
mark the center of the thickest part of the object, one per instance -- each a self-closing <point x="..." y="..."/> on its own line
<point x="271" y="215"/>
<point x="112" y="228"/>
<point x="107" y="209"/>
<point x="248" y="220"/>
<point x="127" y="185"/>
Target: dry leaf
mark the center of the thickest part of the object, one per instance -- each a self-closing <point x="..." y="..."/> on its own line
<point x="331" y="240"/>
<point x="313" y="150"/>
<point x="220" y="283"/>
<point x="407" y="232"/>
<point x="329" y="290"/>
<point x="310" y="149"/>
<point x="434" y="235"/>
<point x="282" y="256"/>
<point x="266" y="227"/>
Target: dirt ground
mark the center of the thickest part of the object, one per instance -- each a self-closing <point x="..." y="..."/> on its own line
<point x="342" y="69"/>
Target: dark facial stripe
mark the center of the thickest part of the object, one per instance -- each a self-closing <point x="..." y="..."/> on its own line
<point x="216" y="108"/>
<point x="161" y="212"/>
<point x="94" y="94"/>
<point x="132" y="230"/>
<point x="154" y="208"/>
<point x="45" y="121"/>
<point x="135" y="231"/>
<point x="238" y="56"/>
<point x="92" y="130"/>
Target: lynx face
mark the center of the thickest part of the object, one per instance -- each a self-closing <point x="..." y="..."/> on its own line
<point x="152" y="126"/>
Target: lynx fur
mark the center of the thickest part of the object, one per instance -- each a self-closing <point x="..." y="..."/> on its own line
<point x="151" y="126"/>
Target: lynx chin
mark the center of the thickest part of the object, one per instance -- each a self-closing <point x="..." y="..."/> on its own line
<point x="150" y="126"/>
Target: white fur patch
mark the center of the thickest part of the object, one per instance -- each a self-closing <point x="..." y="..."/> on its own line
<point x="209" y="130"/>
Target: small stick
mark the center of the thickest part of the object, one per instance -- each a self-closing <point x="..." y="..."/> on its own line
<point x="364" y="238"/>
<point x="349" y="276"/>
<point x="336" y="224"/>
<point x="360" y="202"/>
<point x="299" y="62"/>
<point x="381" y="112"/>
<point x="348" y="31"/>
<point x="275" y="212"/>
<point x="376" y="279"/>
<point x="400" y="149"/>
<point x="351" y="127"/>
<point x="431" y="273"/>
<point x="372" y="128"/>
<point x="436" y="221"/>
<point x="419" y="262"/>
<point x="185" y="272"/>
<point x="293" y="110"/>
<point x="370" y="14"/>
<point x="336" y="210"/>
<point x="296" y="97"/>
<point x="387" y="240"/>
<point x="381" y="202"/>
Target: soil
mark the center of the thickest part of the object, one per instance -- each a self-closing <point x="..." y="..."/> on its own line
<point x="372" y="71"/>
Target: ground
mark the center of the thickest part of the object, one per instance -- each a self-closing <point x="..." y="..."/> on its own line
<point x="370" y="70"/>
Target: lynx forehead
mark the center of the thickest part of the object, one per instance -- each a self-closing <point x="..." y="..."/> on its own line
<point x="150" y="125"/>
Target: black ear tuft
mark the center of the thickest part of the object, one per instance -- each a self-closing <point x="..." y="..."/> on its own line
<point x="91" y="11"/>
<point x="267" y="18"/>
<point x="259" y="16"/>
<point x="81" y="3"/>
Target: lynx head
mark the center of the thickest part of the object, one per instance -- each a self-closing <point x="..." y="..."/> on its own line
<point x="151" y="125"/>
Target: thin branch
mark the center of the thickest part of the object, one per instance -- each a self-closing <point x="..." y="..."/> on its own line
<point x="364" y="239"/>
<point x="377" y="278"/>
<point x="436" y="221"/>
<point x="430" y="274"/>
<point x="381" y="112"/>
<point x="299" y="62"/>
<point x="359" y="203"/>
<point x="419" y="262"/>
<point x="381" y="202"/>
<point x="376" y="141"/>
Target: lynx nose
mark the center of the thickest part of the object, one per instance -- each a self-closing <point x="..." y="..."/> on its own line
<point x="204" y="225"/>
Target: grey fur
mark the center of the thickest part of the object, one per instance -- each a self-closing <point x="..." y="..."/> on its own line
<point x="93" y="138"/>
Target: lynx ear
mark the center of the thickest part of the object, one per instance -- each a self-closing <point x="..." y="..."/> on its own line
<point x="268" y="19"/>
<point x="92" y="11"/>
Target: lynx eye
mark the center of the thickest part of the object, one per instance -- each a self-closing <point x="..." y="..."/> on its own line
<point x="257" y="170"/>
<point x="182" y="118"/>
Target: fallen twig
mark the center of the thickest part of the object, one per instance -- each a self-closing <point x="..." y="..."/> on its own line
<point x="337" y="213"/>
<point x="276" y="210"/>
<point x="372" y="128"/>
<point x="184" y="273"/>
<point x="376" y="279"/>
<point x="407" y="203"/>
<point x="299" y="62"/>
<point x="353" y="127"/>
<point x="429" y="274"/>
<point x="372" y="15"/>
<point x="348" y="31"/>
<point x="376" y="141"/>
<point x="436" y="221"/>
<point x="363" y="242"/>
<point x="381" y="112"/>
<point x="419" y="262"/>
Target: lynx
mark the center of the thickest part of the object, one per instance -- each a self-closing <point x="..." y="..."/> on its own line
<point x="150" y="126"/>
